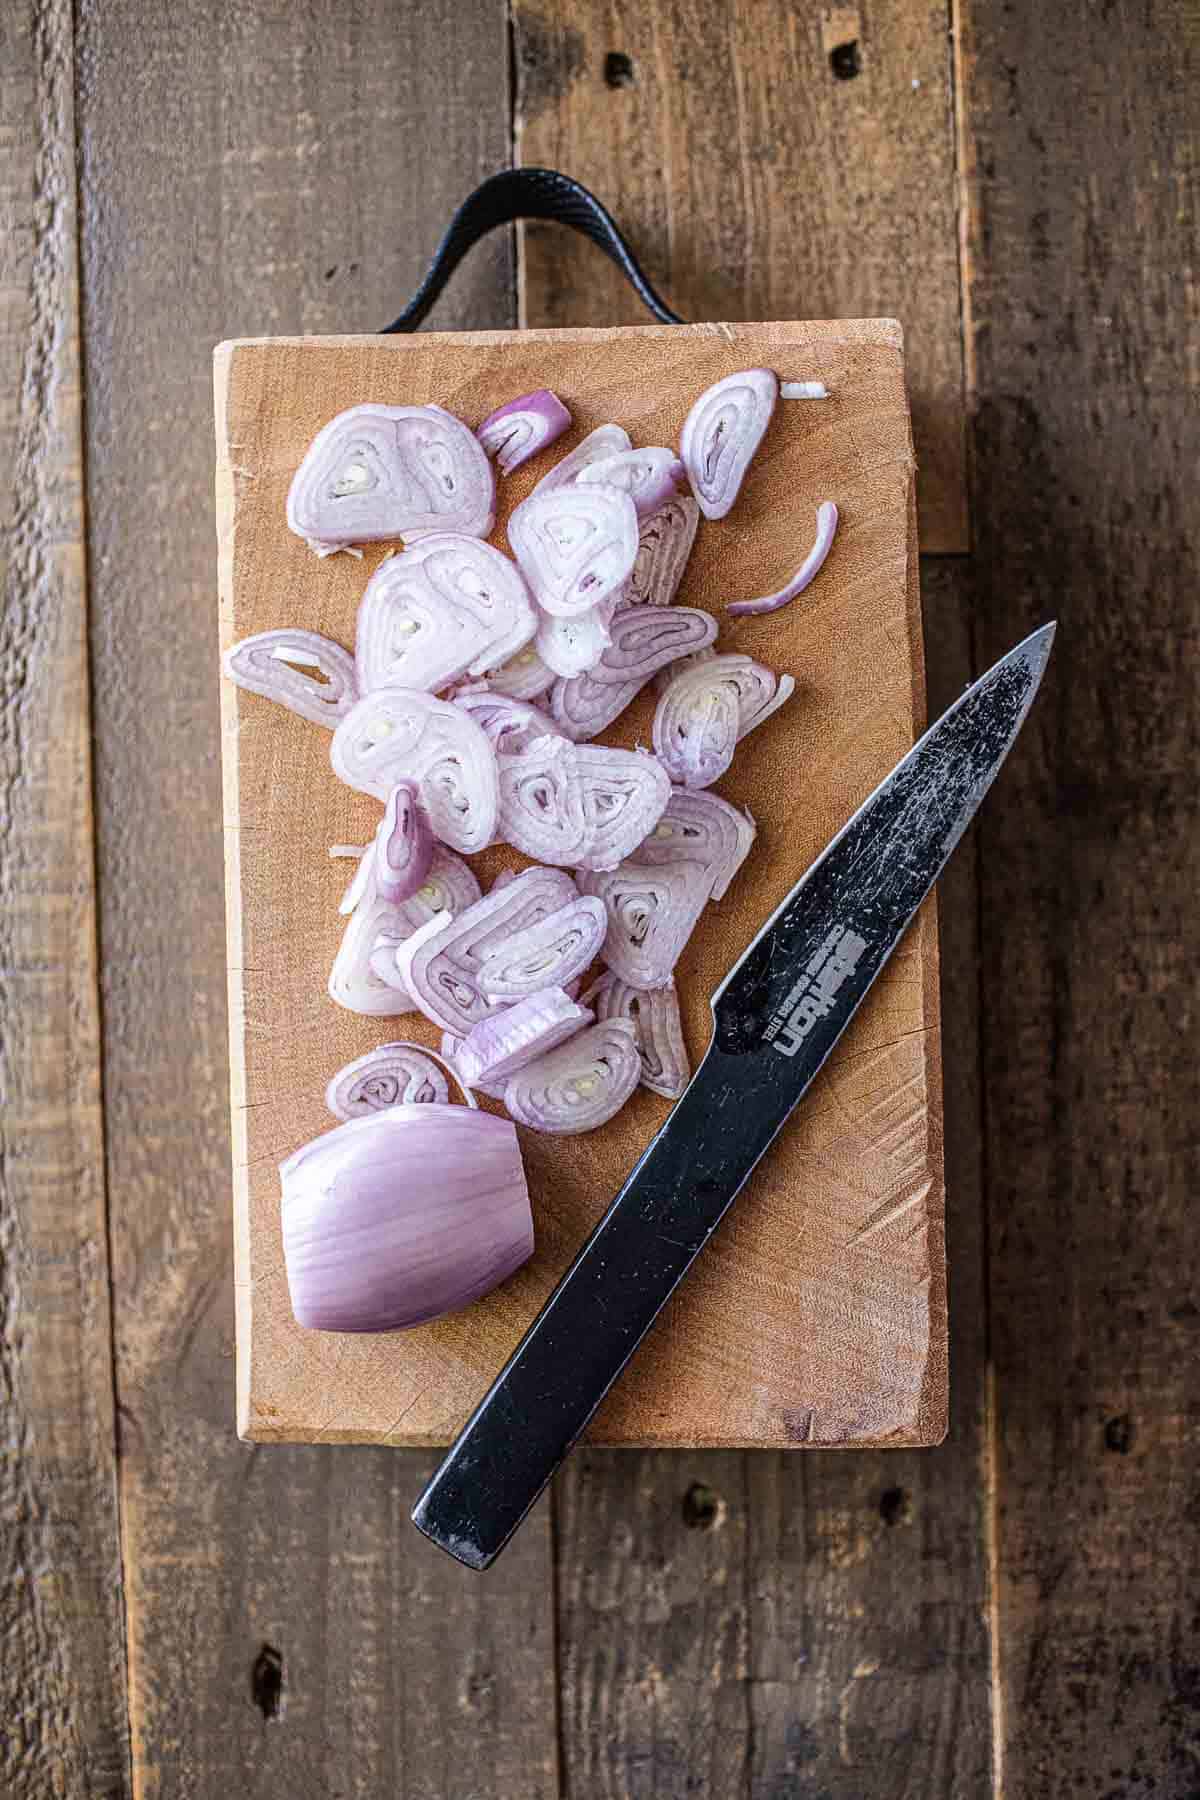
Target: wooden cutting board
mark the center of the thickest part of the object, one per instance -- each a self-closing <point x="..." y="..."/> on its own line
<point x="817" y="1315"/>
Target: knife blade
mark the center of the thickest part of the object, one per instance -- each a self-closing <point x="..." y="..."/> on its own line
<point x="777" y="1015"/>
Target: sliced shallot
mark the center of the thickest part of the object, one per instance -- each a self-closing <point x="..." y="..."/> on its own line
<point x="654" y="1015"/>
<point x="580" y="1085"/>
<point x="377" y="472"/>
<point x="664" y="545"/>
<point x="572" y="646"/>
<point x="644" y="639"/>
<point x="448" y="606"/>
<point x="579" y="804"/>
<point x="605" y="440"/>
<point x="827" y="523"/>
<point x="575" y="546"/>
<point x="393" y="1075"/>
<point x="440" y="963"/>
<point x="649" y="477"/>
<point x="708" y="706"/>
<point x="451" y="1045"/>
<point x="403" y="843"/>
<point x="548" y="954"/>
<point x="364" y="977"/>
<point x="803" y="390"/>
<point x="524" y="676"/>
<point x="721" y="434"/>
<point x="397" y="734"/>
<point x="273" y="663"/>
<point x="520" y="428"/>
<point x="503" y="1043"/>
<point x="656" y="896"/>
<point x="509" y="725"/>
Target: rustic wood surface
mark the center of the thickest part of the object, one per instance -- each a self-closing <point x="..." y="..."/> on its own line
<point x="780" y="163"/>
<point x="846" y="1219"/>
<point x="1013" y="1614"/>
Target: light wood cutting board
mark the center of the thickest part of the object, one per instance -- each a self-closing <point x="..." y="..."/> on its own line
<point x="817" y="1316"/>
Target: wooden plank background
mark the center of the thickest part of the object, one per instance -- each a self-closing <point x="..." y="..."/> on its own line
<point x="1013" y="1614"/>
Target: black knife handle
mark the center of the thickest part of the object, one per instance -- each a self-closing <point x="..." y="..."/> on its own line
<point x="596" y="1317"/>
<point x="528" y="194"/>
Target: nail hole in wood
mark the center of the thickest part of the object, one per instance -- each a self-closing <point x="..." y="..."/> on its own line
<point x="843" y="60"/>
<point x="702" y="1507"/>
<point x="1119" y="1435"/>
<point x="618" y="70"/>
<point x="895" y="1507"/>
<point x="266" y="1681"/>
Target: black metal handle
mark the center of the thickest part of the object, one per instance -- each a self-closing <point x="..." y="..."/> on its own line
<point x="528" y="194"/>
<point x="596" y="1317"/>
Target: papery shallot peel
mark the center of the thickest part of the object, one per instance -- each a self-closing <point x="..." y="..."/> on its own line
<point x="449" y="606"/>
<point x="580" y="1085"/>
<point x="378" y="472"/>
<point x="520" y="428"/>
<point x="272" y="663"/>
<point x="810" y="568"/>
<point x="721" y="434"/>
<point x="392" y="1075"/>
<point x="397" y="734"/>
<point x="403" y="1215"/>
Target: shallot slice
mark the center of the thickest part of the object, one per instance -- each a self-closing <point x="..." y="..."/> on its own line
<point x="575" y="546"/>
<point x="440" y="963"/>
<point x="503" y="1043"/>
<point x="656" y="896"/>
<point x="605" y="440"/>
<point x="707" y="708"/>
<point x="644" y="639"/>
<point x="827" y="523"/>
<point x="449" y="606"/>
<point x="803" y="390"/>
<point x="572" y="646"/>
<point x="580" y="1085"/>
<point x="451" y="1045"/>
<point x="649" y="477"/>
<point x="579" y="804"/>
<point x="272" y="663"/>
<point x="403" y="844"/>
<point x="520" y="428"/>
<point x="397" y="734"/>
<point x="377" y="472"/>
<point x="393" y="1075"/>
<point x="509" y="725"/>
<point x="548" y="954"/>
<point x="364" y="977"/>
<point x="721" y="434"/>
<point x="654" y="1014"/>
<point x="541" y="802"/>
<point x="664" y="545"/>
<point x="524" y="676"/>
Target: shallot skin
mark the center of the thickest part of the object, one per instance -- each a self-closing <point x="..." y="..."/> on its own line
<point x="810" y="568"/>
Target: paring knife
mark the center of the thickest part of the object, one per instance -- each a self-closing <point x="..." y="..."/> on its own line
<point x="778" y="1013"/>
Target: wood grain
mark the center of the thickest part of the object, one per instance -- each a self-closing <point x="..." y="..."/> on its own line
<point x="772" y="1625"/>
<point x="246" y="167"/>
<point x="768" y="162"/>
<point x="1081" y="267"/>
<point x="845" y="1219"/>
<point x="62" y="1698"/>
